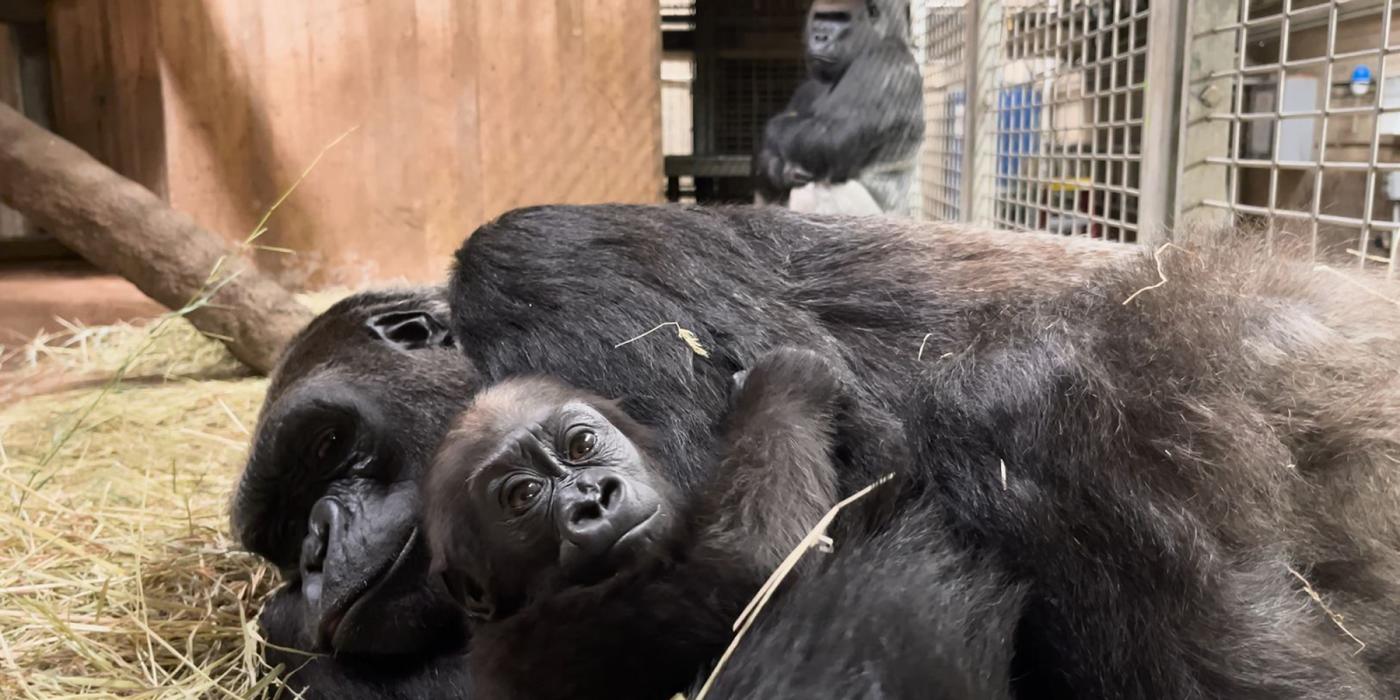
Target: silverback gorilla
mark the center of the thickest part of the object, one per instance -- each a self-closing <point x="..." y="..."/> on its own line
<point x="857" y="119"/>
<point x="354" y="410"/>
<point x="1165" y="465"/>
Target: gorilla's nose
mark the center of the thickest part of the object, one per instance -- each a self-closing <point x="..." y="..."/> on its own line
<point x="325" y="518"/>
<point x="594" y="511"/>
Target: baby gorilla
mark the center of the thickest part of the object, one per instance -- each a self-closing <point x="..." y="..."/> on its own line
<point x="566" y="541"/>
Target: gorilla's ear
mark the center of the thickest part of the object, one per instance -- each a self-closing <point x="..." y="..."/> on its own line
<point x="411" y="330"/>
<point x="469" y="594"/>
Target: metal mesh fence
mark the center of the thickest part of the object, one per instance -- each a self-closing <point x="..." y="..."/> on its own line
<point x="942" y="37"/>
<point x="1298" y="105"/>
<point x="1118" y="118"/>
<point x="1067" y="101"/>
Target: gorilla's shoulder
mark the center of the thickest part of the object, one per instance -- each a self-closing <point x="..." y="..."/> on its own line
<point x="530" y="226"/>
<point x="582" y="237"/>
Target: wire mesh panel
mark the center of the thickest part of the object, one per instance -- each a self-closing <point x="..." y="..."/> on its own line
<point x="941" y="37"/>
<point x="1300" y="113"/>
<point x="1064" y="98"/>
<point x="751" y="89"/>
<point x="749" y="62"/>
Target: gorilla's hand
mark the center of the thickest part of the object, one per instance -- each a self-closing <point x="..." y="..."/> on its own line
<point x="795" y="175"/>
<point x="798" y="376"/>
<point x="769" y="168"/>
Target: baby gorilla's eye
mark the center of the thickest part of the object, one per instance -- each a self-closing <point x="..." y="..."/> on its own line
<point x="581" y="444"/>
<point x="522" y="493"/>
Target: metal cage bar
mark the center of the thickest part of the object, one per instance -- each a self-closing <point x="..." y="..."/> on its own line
<point x="1068" y="104"/>
<point x="941" y="41"/>
<point x="1311" y="147"/>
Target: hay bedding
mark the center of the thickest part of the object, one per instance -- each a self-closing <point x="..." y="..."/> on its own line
<point x="118" y="577"/>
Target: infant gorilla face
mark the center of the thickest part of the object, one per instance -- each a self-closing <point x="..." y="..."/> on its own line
<point x="539" y="487"/>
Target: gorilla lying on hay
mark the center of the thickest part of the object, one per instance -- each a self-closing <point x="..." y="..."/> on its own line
<point x="1169" y="470"/>
<point x="1330" y="514"/>
<point x="355" y="408"/>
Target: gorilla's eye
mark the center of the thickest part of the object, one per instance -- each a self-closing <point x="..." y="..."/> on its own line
<point x="581" y="444"/>
<point x="522" y="493"/>
<point x="325" y="445"/>
<point x="329" y="448"/>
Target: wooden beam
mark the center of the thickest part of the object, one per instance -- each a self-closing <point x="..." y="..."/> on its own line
<point x="122" y="227"/>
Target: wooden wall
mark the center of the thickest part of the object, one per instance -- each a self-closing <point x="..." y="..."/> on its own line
<point x="461" y="109"/>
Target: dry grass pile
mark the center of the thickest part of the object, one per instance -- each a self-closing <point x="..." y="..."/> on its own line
<point x="118" y="577"/>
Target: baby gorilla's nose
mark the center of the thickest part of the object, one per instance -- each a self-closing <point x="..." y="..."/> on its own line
<point x="595" y="499"/>
<point x="589" y="507"/>
<point x="596" y="510"/>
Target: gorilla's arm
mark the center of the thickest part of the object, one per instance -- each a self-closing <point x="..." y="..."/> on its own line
<point x="872" y="112"/>
<point x="777" y="477"/>
<point x="903" y="615"/>
<point x="775" y="175"/>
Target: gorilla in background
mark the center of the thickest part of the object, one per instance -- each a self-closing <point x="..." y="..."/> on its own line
<point x="1158" y="467"/>
<point x="848" y="138"/>
<point x="330" y="495"/>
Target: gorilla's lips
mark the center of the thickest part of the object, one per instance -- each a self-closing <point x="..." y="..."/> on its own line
<point x="587" y="566"/>
<point x="626" y="545"/>
<point x="333" y="626"/>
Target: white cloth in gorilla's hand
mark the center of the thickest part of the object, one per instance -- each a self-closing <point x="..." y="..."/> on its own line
<point x="849" y="197"/>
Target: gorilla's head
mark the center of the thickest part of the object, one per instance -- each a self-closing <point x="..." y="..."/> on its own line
<point x="539" y="488"/>
<point x="840" y="30"/>
<point x="352" y="416"/>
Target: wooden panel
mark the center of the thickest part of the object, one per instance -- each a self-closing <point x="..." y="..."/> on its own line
<point x="109" y="95"/>
<point x="461" y="110"/>
<point x="24" y="80"/>
<point x="588" y="128"/>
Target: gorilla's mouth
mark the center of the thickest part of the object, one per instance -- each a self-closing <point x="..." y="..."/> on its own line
<point x="627" y="545"/>
<point x="334" y="623"/>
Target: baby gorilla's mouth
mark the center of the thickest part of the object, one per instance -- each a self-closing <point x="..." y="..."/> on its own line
<point x="633" y="539"/>
<point x="588" y="567"/>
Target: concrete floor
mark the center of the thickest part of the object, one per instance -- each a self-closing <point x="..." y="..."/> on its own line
<point x="32" y="294"/>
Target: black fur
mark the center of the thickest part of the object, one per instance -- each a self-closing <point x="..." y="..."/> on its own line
<point x="1169" y="462"/>
<point x="380" y="369"/>
<point x="899" y="615"/>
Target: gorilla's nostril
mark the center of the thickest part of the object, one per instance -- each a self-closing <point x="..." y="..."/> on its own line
<point x="324" y="518"/>
<point x="611" y="492"/>
<point x="313" y="549"/>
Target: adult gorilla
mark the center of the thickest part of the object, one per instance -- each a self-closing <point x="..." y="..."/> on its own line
<point x="1169" y="469"/>
<point x="850" y="133"/>
<point x="354" y="410"/>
